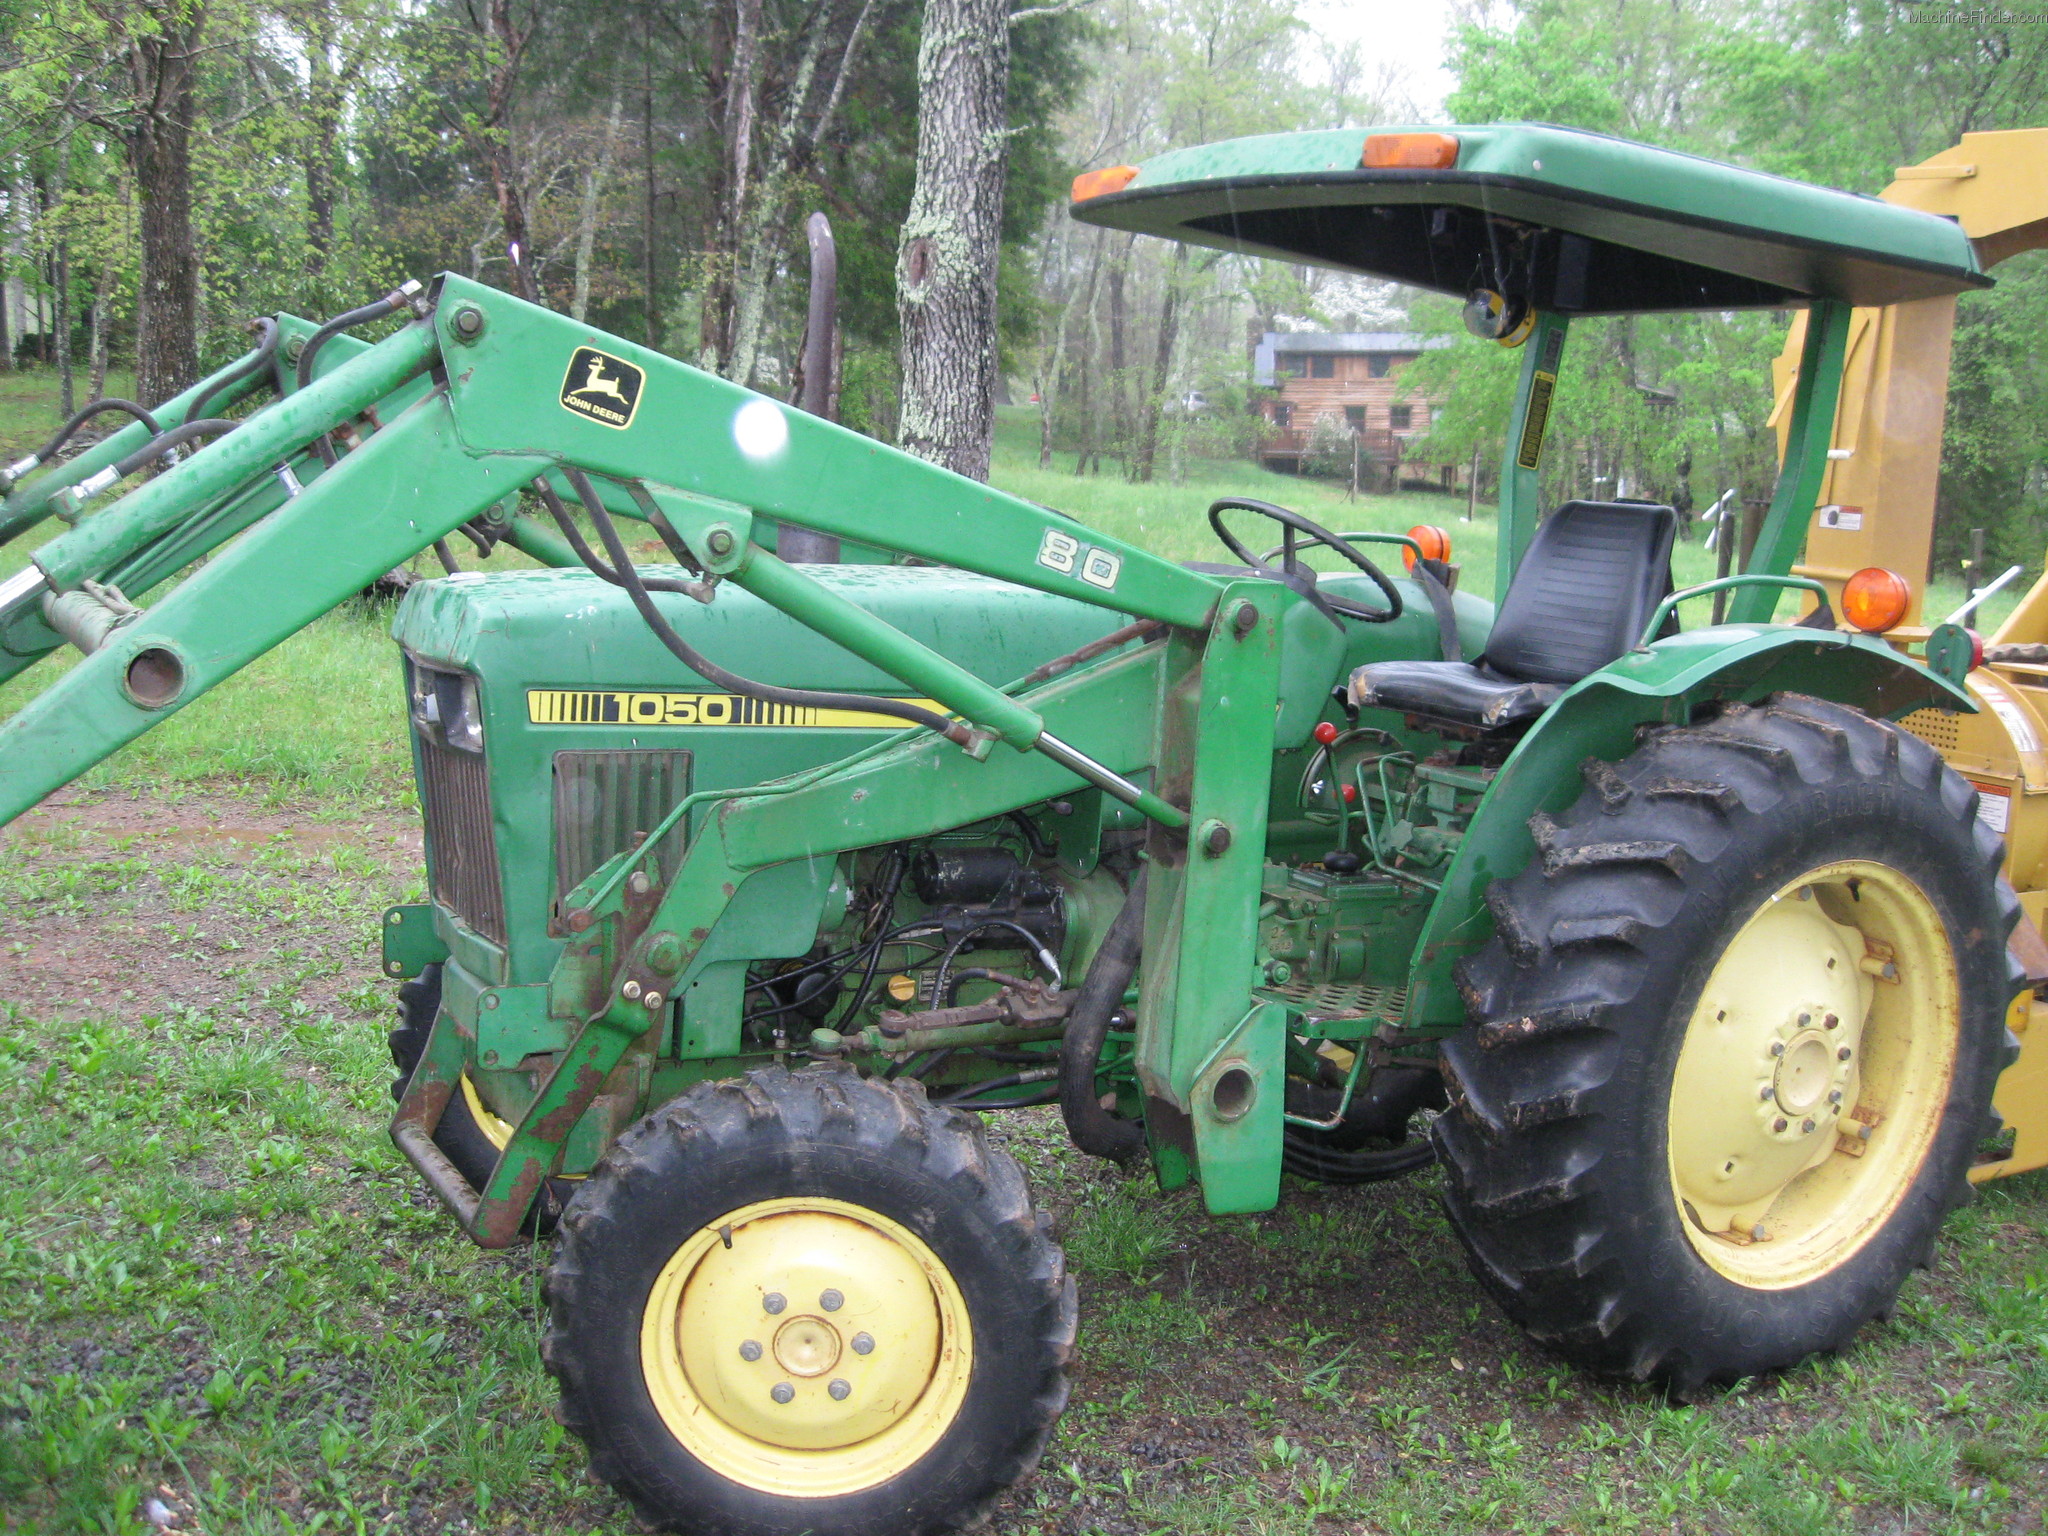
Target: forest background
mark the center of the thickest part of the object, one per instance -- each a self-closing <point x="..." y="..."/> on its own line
<point x="169" y="168"/>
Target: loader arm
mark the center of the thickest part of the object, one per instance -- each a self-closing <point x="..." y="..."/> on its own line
<point x="465" y="426"/>
<point x="483" y="396"/>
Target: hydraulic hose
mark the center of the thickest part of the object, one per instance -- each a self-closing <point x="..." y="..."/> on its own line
<point x="255" y="362"/>
<point x="14" y="473"/>
<point x="590" y="557"/>
<point x="77" y="495"/>
<point x="390" y="304"/>
<point x="1094" y="1129"/>
<point x="164" y="442"/>
<point x="85" y="414"/>
<point x="622" y="574"/>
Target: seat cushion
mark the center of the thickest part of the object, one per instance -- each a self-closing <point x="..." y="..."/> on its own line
<point x="1593" y="574"/>
<point x="1454" y="692"/>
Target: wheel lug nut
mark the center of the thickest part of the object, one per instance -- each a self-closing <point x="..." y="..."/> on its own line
<point x="782" y="1392"/>
<point x="1777" y="1047"/>
<point x="1763" y="1094"/>
<point x="750" y="1351"/>
<point x="839" y="1390"/>
<point x="1844" y="1054"/>
<point x="1806" y="1127"/>
<point x="1835" y="1096"/>
<point x="831" y="1301"/>
<point x="1830" y="1021"/>
<point x="863" y="1343"/>
<point x="1779" y="1125"/>
<point x="1805" y="1019"/>
<point x="773" y="1303"/>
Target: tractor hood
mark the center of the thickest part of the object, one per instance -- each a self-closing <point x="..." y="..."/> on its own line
<point x="1576" y="222"/>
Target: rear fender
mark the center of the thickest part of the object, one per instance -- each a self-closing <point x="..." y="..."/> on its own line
<point x="1663" y="684"/>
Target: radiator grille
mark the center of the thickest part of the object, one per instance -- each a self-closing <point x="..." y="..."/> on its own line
<point x="462" y="853"/>
<point x="605" y="802"/>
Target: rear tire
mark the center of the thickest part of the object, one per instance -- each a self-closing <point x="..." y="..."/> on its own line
<point x="1677" y="1012"/>
<point x="736" y="1283"/>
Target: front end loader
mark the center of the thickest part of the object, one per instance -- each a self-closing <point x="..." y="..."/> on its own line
<point x="750" y="879"/>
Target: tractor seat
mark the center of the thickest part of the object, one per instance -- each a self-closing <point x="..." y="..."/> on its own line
<point x="1594" y="573"/>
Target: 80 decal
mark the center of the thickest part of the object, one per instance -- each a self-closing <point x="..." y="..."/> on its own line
<point x="1066" y="554"/>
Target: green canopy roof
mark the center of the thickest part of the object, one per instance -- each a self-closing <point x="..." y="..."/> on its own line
<point x="1573" y="221"/>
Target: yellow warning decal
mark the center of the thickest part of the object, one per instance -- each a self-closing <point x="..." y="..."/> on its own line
<point x="607" y="706"/>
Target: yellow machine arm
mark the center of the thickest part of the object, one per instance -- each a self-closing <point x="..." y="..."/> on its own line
<point x="1877" y="508"/>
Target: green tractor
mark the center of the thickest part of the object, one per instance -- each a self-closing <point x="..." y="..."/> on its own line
<point x="750" y="878"/>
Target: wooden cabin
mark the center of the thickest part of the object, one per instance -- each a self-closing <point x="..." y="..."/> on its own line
<point x="1350" y="380"/>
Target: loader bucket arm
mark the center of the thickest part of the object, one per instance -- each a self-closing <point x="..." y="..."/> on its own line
<point x="449" y="422"/>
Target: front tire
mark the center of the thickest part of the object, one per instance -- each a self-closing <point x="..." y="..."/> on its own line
<point x="808" y="1302"/>
<point x="469" y="1134"/>
<point x="1735" y="1041"/>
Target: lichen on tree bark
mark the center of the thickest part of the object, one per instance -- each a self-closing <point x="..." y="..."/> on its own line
<point x="946" y="259"/>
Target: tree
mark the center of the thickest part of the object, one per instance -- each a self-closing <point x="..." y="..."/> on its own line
<point x="947" y="262"/>
<point x="131" y="69"/>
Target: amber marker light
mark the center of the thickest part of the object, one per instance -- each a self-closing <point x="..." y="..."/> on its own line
<point x="1436" y="544"/>
<point x="1875" y="599"/>
<point x="1410" y="152"/>
<point x="1111" y="178"/>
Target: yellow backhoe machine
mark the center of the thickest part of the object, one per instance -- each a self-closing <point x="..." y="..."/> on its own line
<point x="1876" y="514"/>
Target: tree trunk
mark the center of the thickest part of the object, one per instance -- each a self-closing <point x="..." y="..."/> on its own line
<point x="1162" y="366"/>
<point x="60" y="274"/>
<point x="593" y="194"/>
<point x="102" y="295"/>
<point x="1118" y="381"/>
<point x="732" y="116"/>
<point x="647" y="167"/>
<point x="502" y="146"/>
<point x="1054" y="377"/>
<point x="323" y="107"/>
<point x="946" y="262"/>
<point x="165" y="66"/>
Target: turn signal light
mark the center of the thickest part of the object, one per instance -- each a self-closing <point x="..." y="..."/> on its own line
<point x="1875" y="599"/>
<point x="1436" y="544"/>
<point x="1111" y="178"/>
<point x="1410" y="152"/>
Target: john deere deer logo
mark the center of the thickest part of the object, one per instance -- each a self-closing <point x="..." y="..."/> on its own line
<point x="602" y="387"/>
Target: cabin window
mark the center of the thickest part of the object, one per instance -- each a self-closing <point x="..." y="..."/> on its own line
<point x="1291" y="365"/>
<point x="1283" y="415"/>
<point x="1400" y="417"/>
<point x="1354" y="417"/>
<point x="1377" y="364"/>
<point x="1322" y="366"/>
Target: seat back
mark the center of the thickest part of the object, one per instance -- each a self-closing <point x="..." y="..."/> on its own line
<point x="1594" y="573"/>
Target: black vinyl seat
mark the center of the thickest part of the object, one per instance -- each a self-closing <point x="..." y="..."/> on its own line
<point x="1594" y="573"/>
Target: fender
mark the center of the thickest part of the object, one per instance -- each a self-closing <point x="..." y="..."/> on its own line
<point x="1663" y="684"/>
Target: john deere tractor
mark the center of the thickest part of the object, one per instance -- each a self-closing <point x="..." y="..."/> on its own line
<point x="753" y="880"/>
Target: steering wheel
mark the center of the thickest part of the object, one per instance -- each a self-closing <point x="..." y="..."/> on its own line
<point x="1291" y="571"/>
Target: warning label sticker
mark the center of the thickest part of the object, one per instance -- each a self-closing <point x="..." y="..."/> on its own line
<point x="607" y="706"/>
<point x="603" y="388"/>
<point x="1843" y="519"/>
<point x="1994" y="806"/>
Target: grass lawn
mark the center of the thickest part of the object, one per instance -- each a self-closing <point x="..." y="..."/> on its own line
<point x="220" y="1289"/>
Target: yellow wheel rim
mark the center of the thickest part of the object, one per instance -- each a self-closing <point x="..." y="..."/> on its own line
<point x="497" y="1131"/>
<point x="1813" y="1075"/>
<point x="806" y="1347"/>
